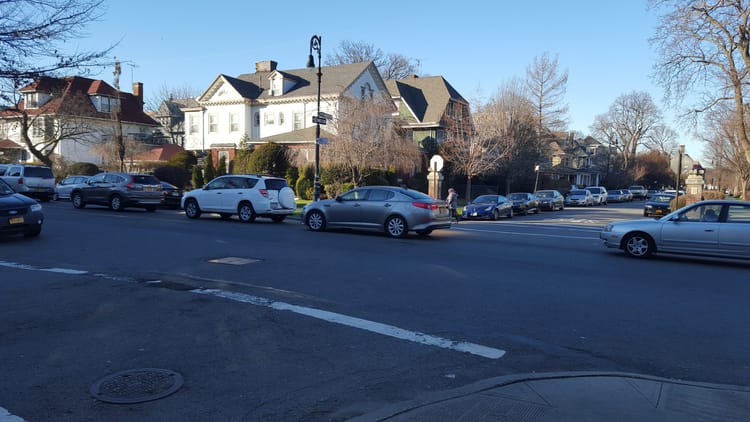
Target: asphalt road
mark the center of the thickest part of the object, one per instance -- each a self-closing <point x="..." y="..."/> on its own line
<point x="272" y="322"/>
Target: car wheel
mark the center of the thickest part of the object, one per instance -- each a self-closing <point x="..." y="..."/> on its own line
<point x="192" y="210"/>
<point x="225" y="215"/>
<point x="316" y="221"/>
<point x="645" y="214"/>
<point x="424" y="232"/>
<point x="278" y="218"/>
<point x="246" y="213"/>
<point x="396" y="226"/>
<point x="77" y="200"/>
<point x="33" y="231"/>
<point x="510" y="213"/>
<point x="638" y="245"/>
<point x="495" y="215"/>
<point x="115" y="203"/>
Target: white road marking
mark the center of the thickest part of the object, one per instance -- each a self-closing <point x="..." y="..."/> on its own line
<point x="362" y="324"/>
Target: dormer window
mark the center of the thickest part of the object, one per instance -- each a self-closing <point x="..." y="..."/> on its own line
<point x="277" y="86"/>
<point x="104" y="104"/>
<point x="31" y="100"/>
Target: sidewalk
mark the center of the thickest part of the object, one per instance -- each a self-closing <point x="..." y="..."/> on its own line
<point x="576" y="396"/>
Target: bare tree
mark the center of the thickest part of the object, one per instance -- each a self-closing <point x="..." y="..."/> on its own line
<point x="167" y="92"/>
<point x="703" y="48"/>
<point x="662" y="139"/>
<point x="391" y="66"/>
<point x="498" y="127"/>
<point x="366" y="140"/>
<point x="33" y="37"/>
<point x="723" y="144"/>
<point x="631" y="119"/>
<point x="546" y="86"/>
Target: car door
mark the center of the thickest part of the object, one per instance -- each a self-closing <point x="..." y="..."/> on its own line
<point x="345" y="210"/>
<point x="377" y="207"/>
<point x="734" y="231"/>
<point x="93" y="191"/>
<point x="691" y="233"/>
<point x="213" y="197"/>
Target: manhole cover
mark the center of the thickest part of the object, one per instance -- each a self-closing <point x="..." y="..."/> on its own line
<point x="136" y="385"/>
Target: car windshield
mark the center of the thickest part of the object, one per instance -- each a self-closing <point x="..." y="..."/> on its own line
<point x="578" y="192"/>
<point x="595" y="190"/>
<point x="484" y="199"/>
<point x="517" y="196"/>
<point x="276" y="184"/>
<point x="145" y="179"/>
<point x="544" y="194"/>
<point x="418" y="195"/>
<point x="662" y="198"/>
<point x="43" y="172"/>
<point x="5" y="188"/>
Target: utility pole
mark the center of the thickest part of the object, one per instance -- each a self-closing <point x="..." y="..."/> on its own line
<point x="118" y="122"/>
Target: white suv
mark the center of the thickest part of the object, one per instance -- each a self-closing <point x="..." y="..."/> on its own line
<point x="247" y="195"/>
<point x="599" y="193"/>
<point x="33" y="181"/>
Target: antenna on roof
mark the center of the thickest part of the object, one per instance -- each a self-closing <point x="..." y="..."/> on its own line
<point x="132" y="66"/>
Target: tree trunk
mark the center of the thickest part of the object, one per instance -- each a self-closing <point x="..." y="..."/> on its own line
<point x="468" y="189"/>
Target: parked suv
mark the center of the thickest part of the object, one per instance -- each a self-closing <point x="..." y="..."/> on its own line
<point x="33" y="181"/>
<point x="638" y="191"/>
<point x="247" y="195"/>
<point x="119" y="191"/>
<point x="599" y="193"/>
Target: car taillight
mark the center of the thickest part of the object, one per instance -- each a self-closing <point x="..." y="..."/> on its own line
<point x="20" y="180"/>
<point x="425" y="205"/>
<point x="130" y="185"/>
<point x="263" y="192"/>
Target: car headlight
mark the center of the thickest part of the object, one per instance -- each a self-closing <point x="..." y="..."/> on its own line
<point x="608" y="228"/>
<point x="36" y="207"/>
<point x="649" y="207"/>
<point x="489" y="208"/>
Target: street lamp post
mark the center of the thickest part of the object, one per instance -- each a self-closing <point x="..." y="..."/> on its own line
<point x="536" y="181"/>
<point x="315" y="42"/>
<point x="680" y="152"/>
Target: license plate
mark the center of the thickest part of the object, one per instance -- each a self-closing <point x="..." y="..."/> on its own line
<point x="16" y="220"/>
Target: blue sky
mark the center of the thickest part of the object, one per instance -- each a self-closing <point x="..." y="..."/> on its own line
<point x="474" y="45"/>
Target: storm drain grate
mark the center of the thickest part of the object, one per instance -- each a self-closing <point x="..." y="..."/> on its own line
<point x="136" y="385"/>
<point x="232" y="260"/>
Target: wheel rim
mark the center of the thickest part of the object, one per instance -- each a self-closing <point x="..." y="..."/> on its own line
<point x="191" y="209"/>
<point x="495" y="215"/>
<point x="315" y="221"/>
<point x="115" y="203"/>
<point x="76" y="200"/>
<point x="245" y="213"/>
<point x="637" y="246"/>
<point x="396" y="227"/>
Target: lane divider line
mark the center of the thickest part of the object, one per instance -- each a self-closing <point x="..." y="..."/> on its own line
<point x="362" y="324"/>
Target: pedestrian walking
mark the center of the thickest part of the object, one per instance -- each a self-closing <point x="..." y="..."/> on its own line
<point x="452" y="200"/>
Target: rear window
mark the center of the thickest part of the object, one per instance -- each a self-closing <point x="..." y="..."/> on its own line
<point x="145" y="179"/>
<point x="43" y="172"/>
<point x="276" y="184"/>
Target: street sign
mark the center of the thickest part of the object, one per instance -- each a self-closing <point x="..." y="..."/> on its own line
<point x="319" y="120"/>
<point x="323" y="141"/>
<point x="436" y="163"/>
<point x="325" y="115"/>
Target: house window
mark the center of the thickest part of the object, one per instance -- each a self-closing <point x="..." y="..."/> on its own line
<point x="297" y="121"/>
<point x="268" y="116"/>
<point x="37" y="129"/>
<point x="213" y="125"/>
<point x="281" y="119"/>
<point x="366" y="91"/>
<point x="234" y="122"/>
<point x="192" y="124"/>
<point x="32" y="100"/>
<point x="256" y="118"/>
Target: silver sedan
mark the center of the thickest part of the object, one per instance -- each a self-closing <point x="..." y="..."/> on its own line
<point x="394" y="210"/>
<point x="719" y="228"/>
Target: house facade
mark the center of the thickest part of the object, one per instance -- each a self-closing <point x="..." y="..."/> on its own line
<point x="77" y="117"/>
<point x="579" y="162"/>
<point x="274" y="105"/>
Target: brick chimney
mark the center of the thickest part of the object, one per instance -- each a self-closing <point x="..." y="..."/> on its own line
<point x="138" y="92"/>
<point x="265" y="66"/>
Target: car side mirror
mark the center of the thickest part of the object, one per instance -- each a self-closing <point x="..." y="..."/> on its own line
<point x="338" y="199"/>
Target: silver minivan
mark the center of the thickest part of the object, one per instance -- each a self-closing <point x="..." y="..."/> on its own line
<point x="33" y="181"/>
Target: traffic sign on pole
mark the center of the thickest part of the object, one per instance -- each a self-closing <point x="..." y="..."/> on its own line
<point x="319" y="120"/>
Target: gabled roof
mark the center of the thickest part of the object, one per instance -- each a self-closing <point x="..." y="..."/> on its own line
<point x="67" y="98"/>
<point x="426" y="97"/>
<point x="174" y="106"/>
<point x="335" y="81"/>
<point x="8" y="144"/>
<point x="160" y="153"/>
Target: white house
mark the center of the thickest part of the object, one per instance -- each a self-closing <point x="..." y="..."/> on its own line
<point x="79" y="112"/>
<point x="273" y="104"/>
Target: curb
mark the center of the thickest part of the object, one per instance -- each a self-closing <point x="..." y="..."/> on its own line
<point x="491" y="383"/>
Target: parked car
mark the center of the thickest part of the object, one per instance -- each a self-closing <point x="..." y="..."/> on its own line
<point x="247" y="195"/>
<point x="19" y="214"/>
<point x="652" y="192"/>
<point x="33" y="181"/>
<point x="119" y="191"/>
<point x="394" y="210"/>
<point x="579" y="197"/>
<point x="550" y="200"/>
<point x="658" y="205"/>
<point x="171" y="195"/>
<point x="524" y="203"/>
<point x="66" y="186"/>
<point x="490" y="207"/>
<point x="628" y="195"/>
<point x="719" y="228"/>
<point x="639" y="192"/>
<point x="599" y="193"/>
<point x="617" y="195"/>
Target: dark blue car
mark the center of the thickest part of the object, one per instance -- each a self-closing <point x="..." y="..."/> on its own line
<point x="490" y="207"/>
